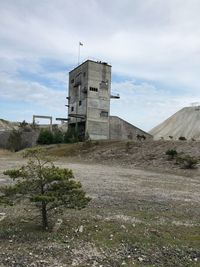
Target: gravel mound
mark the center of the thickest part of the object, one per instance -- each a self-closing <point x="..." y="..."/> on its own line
<point x="185" y="122"/>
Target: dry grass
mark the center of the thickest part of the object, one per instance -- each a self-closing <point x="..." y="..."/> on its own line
<point x="5" y="152"/>
<point x="76" y="149"/>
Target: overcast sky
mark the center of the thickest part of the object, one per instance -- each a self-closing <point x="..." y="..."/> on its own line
<point x="152" y="45"/>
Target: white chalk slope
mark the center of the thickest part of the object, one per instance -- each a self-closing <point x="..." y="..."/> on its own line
<point x="8" y="125"/>
<point x="185" y="122"/>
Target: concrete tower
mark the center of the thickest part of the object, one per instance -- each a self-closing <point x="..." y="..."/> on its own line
<point x="89" y="99"/>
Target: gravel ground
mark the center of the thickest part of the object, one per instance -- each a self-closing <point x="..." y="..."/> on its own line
<point x="122" y="194"/>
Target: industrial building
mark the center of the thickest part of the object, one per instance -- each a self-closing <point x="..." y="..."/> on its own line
<point x="89" y="104"/>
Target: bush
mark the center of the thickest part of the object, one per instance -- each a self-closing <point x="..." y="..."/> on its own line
<point x="58" y="137"/>
<point x="45" y="137"/>
<point x="140" y="137"/>
<point x="182" y="138"/>
<point x="71" y="136"/>
<point x="171" y="153"/>
<point x="187" y="162"/>
<point x="128" y="146"/>
<point x="23" y="124"/>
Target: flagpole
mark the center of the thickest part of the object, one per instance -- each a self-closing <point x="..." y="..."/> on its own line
<point x="78" y="53"/>
<point x="79" y="49"/>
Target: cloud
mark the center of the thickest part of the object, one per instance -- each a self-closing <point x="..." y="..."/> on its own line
<point x="153" y="46"/>
<point x="145" y="105"/>
<point x="32" y="93"/>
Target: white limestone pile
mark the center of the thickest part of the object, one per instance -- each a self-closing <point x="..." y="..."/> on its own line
<point x="185" y="122"/>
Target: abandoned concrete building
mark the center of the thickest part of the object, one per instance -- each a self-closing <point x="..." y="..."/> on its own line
<point x="89" y="104"/>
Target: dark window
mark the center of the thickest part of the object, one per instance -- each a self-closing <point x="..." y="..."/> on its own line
<point x="94" y="89"/>
<point x="104" y="114"/>
<point x="104" y="85"/>
<point x="85" y="90"/>
<point x="72" y="80"/>
<point x="80" y="102"/>
<point x="72" y="108"/>
<point x="84" y="74"/>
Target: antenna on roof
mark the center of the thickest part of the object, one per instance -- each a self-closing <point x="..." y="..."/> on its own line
<point x="196" y="105"/>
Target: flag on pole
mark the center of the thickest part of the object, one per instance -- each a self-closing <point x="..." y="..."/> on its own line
<point x="80" y="44"/>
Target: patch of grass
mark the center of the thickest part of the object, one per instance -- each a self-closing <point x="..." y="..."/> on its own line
<point x="75" y="149"/>
<point x="145" y="243"/>
<point x="187" y="162"/>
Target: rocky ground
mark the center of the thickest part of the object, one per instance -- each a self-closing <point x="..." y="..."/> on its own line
<point x="144" y="210"/>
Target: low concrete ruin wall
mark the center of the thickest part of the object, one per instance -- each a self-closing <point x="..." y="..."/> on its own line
<point x="122" y="130"/>
<point x="29" y="139"/>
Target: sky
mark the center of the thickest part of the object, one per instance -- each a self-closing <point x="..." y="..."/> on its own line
<point x="152" y="45"/>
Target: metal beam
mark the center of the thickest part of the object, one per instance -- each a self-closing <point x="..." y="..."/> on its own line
<point x="62" y="119"/>
<point x="77" y="116"/>
<point x="117" y="96"/>
<point x="43" y="117"/>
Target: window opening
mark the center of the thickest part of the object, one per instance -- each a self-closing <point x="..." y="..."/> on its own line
<point x="104" y="114"/>
<point x="94" y="89"/>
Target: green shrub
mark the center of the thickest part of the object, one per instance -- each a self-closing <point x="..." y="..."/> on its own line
<point x="187" y="162"/>
<point x="58" y="137"/>
<point x="71" y="136"/>
<point x="171" y="153"/>
<point x="45" y="137"/>
<point x="182" y="138"/>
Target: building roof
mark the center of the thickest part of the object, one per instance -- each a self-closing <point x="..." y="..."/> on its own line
<point x="89" y="60"/>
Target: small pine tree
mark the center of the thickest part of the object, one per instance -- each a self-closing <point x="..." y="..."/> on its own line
<point x="45" y="185"/>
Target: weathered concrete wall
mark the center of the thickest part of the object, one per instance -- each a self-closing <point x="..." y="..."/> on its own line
<point x="4" y="135"/>
<point x="29" y="139"/>
<point x="98" y="102"/>
<point x="122" y="130"/>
